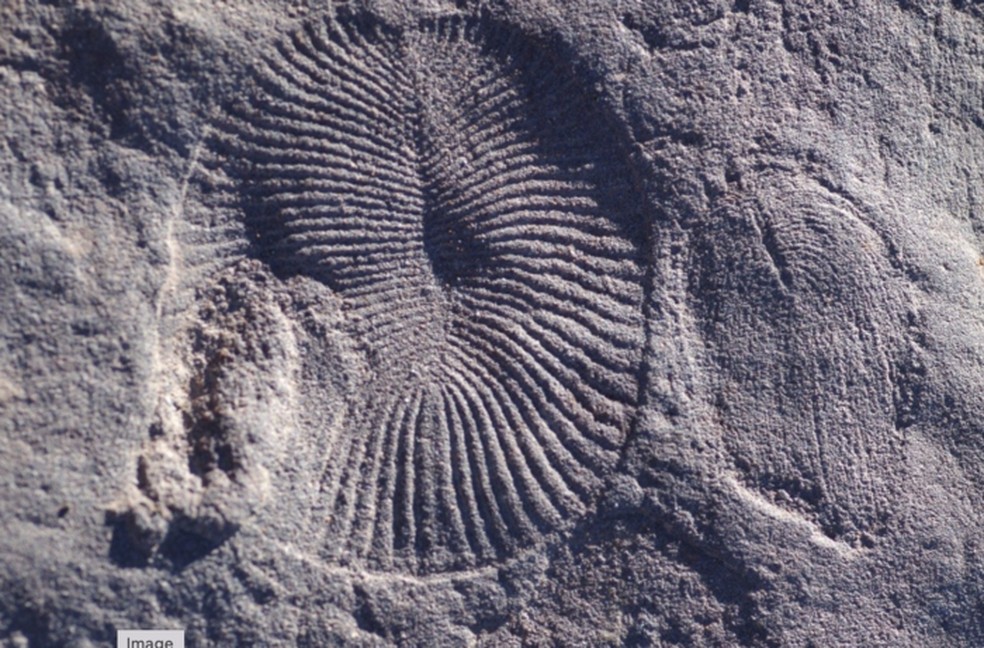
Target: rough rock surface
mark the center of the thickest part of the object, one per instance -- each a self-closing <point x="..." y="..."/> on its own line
<point x="522" y="323"/>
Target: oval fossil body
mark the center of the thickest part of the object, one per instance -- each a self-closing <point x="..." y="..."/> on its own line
<point x="460" y="193"/>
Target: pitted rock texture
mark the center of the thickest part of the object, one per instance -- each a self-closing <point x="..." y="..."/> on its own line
<point x="470" y="323"/>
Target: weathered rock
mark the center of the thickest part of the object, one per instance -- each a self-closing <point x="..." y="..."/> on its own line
<point x="588" y="323"/>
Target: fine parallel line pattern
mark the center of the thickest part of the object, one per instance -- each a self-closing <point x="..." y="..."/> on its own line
<point x="546" y="495"/>
<point x="541" y="442"/>
<point x="456" y="188"/>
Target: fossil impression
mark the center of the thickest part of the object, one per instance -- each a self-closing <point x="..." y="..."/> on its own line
<point x="455" y="187"/>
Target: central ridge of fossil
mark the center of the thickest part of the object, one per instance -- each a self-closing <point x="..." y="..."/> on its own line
<point x="457" y="189"/>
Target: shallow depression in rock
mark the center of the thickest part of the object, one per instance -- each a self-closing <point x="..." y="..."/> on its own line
<point x="455" y="187"/>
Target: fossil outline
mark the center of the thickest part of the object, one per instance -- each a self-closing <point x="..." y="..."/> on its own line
<point x="454" y="185"/>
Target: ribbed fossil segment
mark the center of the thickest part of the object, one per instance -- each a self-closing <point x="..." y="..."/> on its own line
<point x="454" y="187"/>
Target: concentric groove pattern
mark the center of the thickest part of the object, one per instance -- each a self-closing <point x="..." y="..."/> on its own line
<point x="458" y="192"/>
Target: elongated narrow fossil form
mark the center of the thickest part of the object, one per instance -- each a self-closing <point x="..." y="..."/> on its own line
<point x="458" y="190"/>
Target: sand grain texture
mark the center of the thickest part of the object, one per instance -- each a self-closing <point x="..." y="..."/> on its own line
<point x="578" y="323"/>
